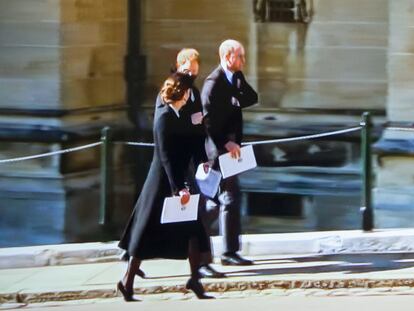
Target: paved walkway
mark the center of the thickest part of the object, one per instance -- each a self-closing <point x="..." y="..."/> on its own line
<point x="391" y="266"/>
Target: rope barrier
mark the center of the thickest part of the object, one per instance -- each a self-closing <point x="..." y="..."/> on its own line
<point x="402" y="129"/>
<point x="271" y="141"/>
<point x="141" y="144"/>
<point x="131" y="143"/>
<point x="283" y="140"/>
<point x="52" y="153"/>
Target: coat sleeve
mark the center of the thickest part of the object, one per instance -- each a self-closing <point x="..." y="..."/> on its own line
<point x="212" y="117"/>
<point x="199" y="149"/>
<point x="244" y="93"/>
<point x="164" y="144"/>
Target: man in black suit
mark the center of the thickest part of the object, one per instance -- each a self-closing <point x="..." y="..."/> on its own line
<point x="225" y="92"/>
<point x="188" y="61"/>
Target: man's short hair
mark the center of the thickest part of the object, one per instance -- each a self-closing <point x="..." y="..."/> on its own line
<point x="228" y="46"/>
<point x="187" y="54"/>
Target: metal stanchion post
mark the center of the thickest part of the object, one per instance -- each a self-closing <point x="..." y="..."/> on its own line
<point x="106" y="175"/>
<point x="366" y="157"/>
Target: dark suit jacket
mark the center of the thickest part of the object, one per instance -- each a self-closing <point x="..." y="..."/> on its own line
<point x="222" y="105"/>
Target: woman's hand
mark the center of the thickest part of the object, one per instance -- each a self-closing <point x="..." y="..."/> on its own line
<point x="184" y="195"/>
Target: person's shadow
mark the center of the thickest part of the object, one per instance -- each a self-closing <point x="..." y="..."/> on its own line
<point x="346" y="263"/>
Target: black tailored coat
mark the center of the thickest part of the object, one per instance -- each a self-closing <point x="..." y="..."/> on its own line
<point x="145" y="237"/>
<point x="222" y="104"/>
<point x="198" y="131"/>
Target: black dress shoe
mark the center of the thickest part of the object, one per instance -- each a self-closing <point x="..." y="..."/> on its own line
<point x="128" y="295"/>
<point x="207" y="271"/>
<point x="198" y="289"/>
<point x="234" y="259"/>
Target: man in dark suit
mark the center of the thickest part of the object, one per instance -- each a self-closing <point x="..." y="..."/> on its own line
<point x="225" y="92"/>
<point x="188" y="61"/>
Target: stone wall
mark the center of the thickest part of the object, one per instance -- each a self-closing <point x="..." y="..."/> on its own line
<point x="395" y="175"/>
<point x="61" y="54"/>
<point x="168" y="26"/>
<point x="61" y="80"/>
<point x="338" y="61"/>
<point x="401" y="62"/>
<point x="57" y="57"/>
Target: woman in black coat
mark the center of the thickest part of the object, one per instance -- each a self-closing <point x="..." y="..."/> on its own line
<point x="145" y="237"/>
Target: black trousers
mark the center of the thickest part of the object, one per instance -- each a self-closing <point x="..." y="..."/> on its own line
<point x="229" y="219"/>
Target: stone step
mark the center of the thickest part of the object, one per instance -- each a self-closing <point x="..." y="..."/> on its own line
<point x="322" y="242"/>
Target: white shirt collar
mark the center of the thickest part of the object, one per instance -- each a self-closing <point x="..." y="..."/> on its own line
<point x="175" y="110"/>
<point x="192" y="95"/>
<point x="228" y="73"/>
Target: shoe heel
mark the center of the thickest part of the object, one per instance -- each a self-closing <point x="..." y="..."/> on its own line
<point x="120" y="288"/>
<point x="198" y="289"/>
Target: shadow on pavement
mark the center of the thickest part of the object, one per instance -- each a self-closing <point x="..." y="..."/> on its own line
<point x="346" y="263"/>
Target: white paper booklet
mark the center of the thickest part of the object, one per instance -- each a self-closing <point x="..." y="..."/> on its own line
<point x="208" y="182"/>
<point x="230" y="166"/>
<point x="174" y="211"/>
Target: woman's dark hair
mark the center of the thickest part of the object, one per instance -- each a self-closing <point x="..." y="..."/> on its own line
<point x="175" y="86"/>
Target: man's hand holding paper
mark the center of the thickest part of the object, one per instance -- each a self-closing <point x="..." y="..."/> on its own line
<point x="229" y="165"/>
<point x="233" y="148"/>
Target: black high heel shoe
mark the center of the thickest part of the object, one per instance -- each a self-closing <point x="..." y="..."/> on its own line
<point x="128" y="296"/>
<point x="198" y="289"/>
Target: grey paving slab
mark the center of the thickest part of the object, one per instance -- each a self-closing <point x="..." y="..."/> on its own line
<point x="170" y="272"/>
<point x="111" y="272"/>
<point x="58" y="277"/>
<point x="157" y="271"/>
<point x="8" y="278"/>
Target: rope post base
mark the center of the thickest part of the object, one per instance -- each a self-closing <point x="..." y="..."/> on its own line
<point x="366" y="157"/>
